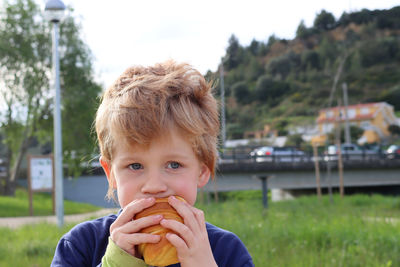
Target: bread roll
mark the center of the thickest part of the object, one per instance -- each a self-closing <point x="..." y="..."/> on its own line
<point x="162" y="253"/>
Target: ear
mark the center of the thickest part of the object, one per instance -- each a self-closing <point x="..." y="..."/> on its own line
<point x="107" y="169"/>
<point x="204" y="176"/>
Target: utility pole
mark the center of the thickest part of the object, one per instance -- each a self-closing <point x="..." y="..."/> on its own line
<point x="335" y="81"/>
<point x="339" y="150"/>
<point x="347" y="136"/>
<point x="223" y="129"/>
<point x="317" y="173"/>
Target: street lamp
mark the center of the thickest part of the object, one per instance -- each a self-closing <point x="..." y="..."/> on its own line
<point x="54" y="12"/>
<point x="223" y="127"/>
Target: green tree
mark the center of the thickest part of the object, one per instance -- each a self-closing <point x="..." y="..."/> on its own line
<point x="80" y="95"/>
<point x="271" y="40"/>
<point x="302" y="31"/>
<point x="25" y="60"/>
<point x="310" y="60"/>
<point x="394" y="129"/>
<point x="328" y="51"/>
<point x="380" y="51"/>
<point x="324" y="21"/>
<point x="283" y="65"/>
<point x="241" y="93"/>
<point x="295" y="140"/>
<point x="254" y="69"/>
<point x="254" y="47"/>
<point x="392" y="97"/>
<point x="267" y="89"/>
<point x="355" y="133"/>
<point x="233" y="53"/>
<point x="24" y="46"/>
<point x="281" y="126"/>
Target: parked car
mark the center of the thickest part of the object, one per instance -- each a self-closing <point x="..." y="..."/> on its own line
<point x="277" y="154"/>
<point x="351" y="152"/>
<point x="393" y="152"/>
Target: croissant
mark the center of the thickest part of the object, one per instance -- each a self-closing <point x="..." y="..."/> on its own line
<point x="162" y="253"/>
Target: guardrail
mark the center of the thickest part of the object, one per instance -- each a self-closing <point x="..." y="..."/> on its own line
<point x="306" y="157"/>
<point x="245" y="163"/>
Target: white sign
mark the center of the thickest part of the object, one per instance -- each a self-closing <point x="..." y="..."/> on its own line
<point x="41" y="173"/>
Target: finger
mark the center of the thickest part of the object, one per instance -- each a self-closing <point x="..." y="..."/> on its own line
<point x="129" y="241"/>
<point x="130" y="210"/>
<point x="182" y="230"/>
<point x="134" y="207"/>
<point x="186" y="212"/>
<point x="183" y="209"/>
<point x="200" y="218"/>
<point x="178" y="243"/>
<point x="139" y="238"/>
<point x="134" y="226"/>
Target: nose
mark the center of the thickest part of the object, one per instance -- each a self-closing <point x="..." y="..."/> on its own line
<point x="154" y="184"/>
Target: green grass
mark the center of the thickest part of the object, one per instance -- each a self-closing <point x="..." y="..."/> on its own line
<point x="29" y="245"/>
<point x="301" y="232"/>
<point x="308" y="232"/>
<point x="42" y="205"/>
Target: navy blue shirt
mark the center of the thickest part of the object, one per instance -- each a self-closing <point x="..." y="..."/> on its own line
<point x="86" y="243"/>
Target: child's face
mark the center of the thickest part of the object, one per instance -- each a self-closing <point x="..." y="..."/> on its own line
<point x="168" y="166"/>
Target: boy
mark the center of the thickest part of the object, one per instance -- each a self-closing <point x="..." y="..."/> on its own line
<point x="157" y="130"/>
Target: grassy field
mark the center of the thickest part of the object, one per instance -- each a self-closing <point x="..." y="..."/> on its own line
<point x="305" y="232"/>
<point x="42" y="205"/>
<point x="353" y="231"/>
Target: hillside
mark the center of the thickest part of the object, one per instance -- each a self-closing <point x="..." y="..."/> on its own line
<point x="284" y="82"/>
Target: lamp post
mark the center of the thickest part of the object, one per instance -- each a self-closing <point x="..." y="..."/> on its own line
<point x="54" y="11"/>
<point x="223" y="126"/>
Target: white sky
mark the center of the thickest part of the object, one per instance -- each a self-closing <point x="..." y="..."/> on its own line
<point x="122" y="33"/>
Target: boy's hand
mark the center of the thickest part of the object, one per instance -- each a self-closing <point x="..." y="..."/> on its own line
<point x="191" y="241"/>
<point x="124" y="231"/>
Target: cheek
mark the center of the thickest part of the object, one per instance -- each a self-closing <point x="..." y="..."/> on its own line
<point x="126" y="192"/>
<point x="187" y="190"/>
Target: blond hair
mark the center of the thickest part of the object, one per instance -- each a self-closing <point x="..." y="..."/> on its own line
<point x="145" y="101"/>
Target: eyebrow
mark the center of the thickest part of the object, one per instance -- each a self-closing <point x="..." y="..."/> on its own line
<point x="172" y="154"/>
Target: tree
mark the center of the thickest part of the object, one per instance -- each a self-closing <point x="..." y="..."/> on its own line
<point x="265" y="88"/>
<point x="241" y="93"/>
<point x="328" y="51"/>
<point x="254" y="47"/>
<point x="25" y="60"/>
<point x="302" y="31"/>
<point x="310" y="59"/>
<point x="392" y="97"/>
<point x="268" y="90"/>
<point x="24" y="47"/>
<point x="79" y="97"/>
<point x="283" y="65"/>
<point x="271" y="40"/>
<point x="254" y="69"/>
<point x="355" y="134"/>
<point x="324" y="21"/>
<point x="233" y="53"/>
<point x="295" y="140"/>
<point x="394" y="129"/>
<point x="379" y="51"/>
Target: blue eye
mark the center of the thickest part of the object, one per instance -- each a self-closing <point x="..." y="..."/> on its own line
<point x="135" y="166"/>
<point x="174" y="165"/>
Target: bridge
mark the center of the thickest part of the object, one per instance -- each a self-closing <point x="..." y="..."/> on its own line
<point x="239" y="160"/>
<point x="367" y="172"/>
<point x="295" y="176"/>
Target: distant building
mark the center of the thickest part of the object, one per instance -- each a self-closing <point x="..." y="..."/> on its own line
<point x="374" y="118"/>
